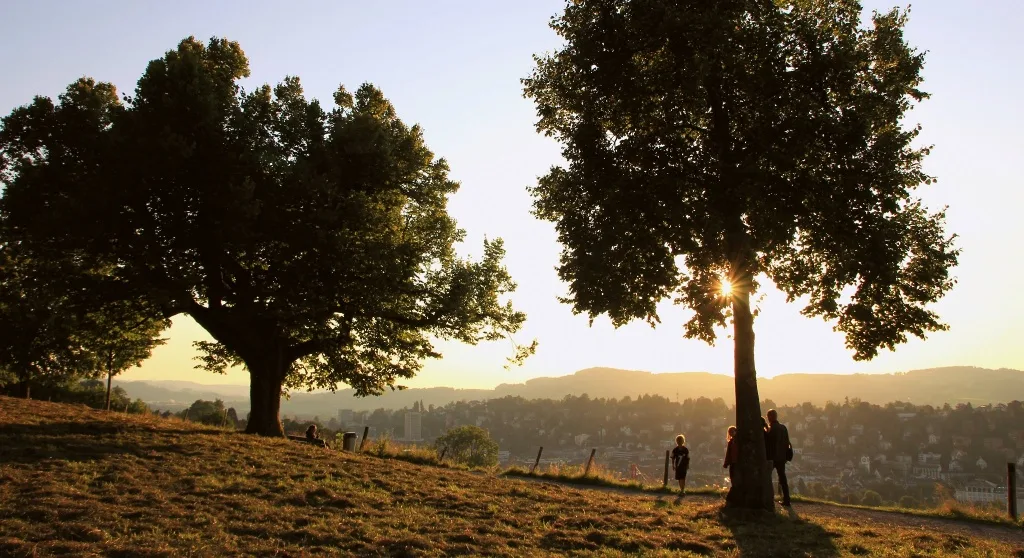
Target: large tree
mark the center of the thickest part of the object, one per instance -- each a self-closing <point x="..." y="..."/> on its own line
<point x="714" y="144"/>
<point x="314" y="246"/>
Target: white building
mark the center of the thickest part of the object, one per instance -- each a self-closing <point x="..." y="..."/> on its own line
<point x="984" y="492"/>
<point x="413" y="426"/>
<point x="927" y="471"/>
<point x="865" y="463"/>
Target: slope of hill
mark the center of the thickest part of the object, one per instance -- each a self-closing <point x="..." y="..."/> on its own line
<point x="75" y="482"/>
<point x="935" y="387"/>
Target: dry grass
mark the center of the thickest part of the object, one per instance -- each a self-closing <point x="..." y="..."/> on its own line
<point x="602" y="476"/>
<point x="78" y="482"/>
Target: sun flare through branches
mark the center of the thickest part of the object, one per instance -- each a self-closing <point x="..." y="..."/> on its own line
<point x="726" y="288"/>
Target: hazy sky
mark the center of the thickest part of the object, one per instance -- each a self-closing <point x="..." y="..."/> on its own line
<point x="454" y="67"/>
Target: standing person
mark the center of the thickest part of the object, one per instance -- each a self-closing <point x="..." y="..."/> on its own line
<point x="781" y="451"/>
<point x="732" y="452"/>
<point x="681" y="461"/>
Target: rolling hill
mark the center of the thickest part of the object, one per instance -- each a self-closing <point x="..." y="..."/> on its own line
<point x="935" y="386"/>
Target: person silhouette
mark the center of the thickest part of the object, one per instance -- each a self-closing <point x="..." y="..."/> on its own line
<point x="780" y="451"/>
<point x="681" y="462"/>
<point x="732" y="452"/>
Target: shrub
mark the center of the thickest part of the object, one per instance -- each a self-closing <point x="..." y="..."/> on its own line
<point x="469" y="445"/>
<point x="381" y="446"/>
<point x="909" y="502"/>
<point x="871" y="498"/>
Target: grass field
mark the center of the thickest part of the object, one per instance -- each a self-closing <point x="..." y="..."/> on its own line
<point x="79" y="482"/>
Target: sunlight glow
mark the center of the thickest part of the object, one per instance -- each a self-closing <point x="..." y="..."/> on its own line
<point x="726" y="287"/>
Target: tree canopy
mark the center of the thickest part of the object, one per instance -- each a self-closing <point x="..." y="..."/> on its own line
<point x="120" y="335"/>
<point x="313" y="245"/>
<point x="469" y="445"/>
<point x="54" y="329"/>
<point x="711" y="145"/>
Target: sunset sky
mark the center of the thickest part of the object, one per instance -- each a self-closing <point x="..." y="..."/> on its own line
<point x="454" y="67"/>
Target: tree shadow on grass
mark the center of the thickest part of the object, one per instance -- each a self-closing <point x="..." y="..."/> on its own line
<point x="84" y="441"/>
<point x="759" y="533"/>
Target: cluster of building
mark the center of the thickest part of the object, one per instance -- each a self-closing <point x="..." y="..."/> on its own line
<point x="852" y="445"/>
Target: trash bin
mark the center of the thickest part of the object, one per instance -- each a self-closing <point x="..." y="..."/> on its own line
<point x="348" y="442"/>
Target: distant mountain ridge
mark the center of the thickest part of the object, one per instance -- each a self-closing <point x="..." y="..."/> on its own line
<point x="935" y="386"/>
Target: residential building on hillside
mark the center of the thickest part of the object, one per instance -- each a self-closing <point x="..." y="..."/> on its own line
<point x="992" y="443"/>
<point x="927" y="471"/>
<point x="413" y="426"/>
<point x="960" y="441"/>
<point x="980" y="491"/>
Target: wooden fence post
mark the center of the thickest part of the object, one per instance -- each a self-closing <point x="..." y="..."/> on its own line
<point x="366" y="432"/>
<point x="1011" y="490"/>
<point x="537" y="462"/>
<point x="666" y="469"/>
<point x="589" y="462"/>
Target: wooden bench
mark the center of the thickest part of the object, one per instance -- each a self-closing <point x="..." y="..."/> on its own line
<point x="315" y="441"/>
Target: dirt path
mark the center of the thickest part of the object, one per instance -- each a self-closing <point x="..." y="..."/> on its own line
<point x="877" y="520"/>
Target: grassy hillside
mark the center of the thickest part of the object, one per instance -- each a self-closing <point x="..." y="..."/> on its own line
<point x="74" y="481"/>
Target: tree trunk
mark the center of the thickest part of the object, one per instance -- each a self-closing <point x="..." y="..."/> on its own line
<point x="266" y="377"/>
<point x="751" y="486"/>
<point x="110" y="376"/>
<point x="264" y="356"/>
<point x="26" y="389"/>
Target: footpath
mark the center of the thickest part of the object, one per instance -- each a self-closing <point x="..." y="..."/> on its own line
<point x="876" y="520"/>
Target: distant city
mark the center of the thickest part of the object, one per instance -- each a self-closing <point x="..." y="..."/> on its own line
<point x="906" y="452"/>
